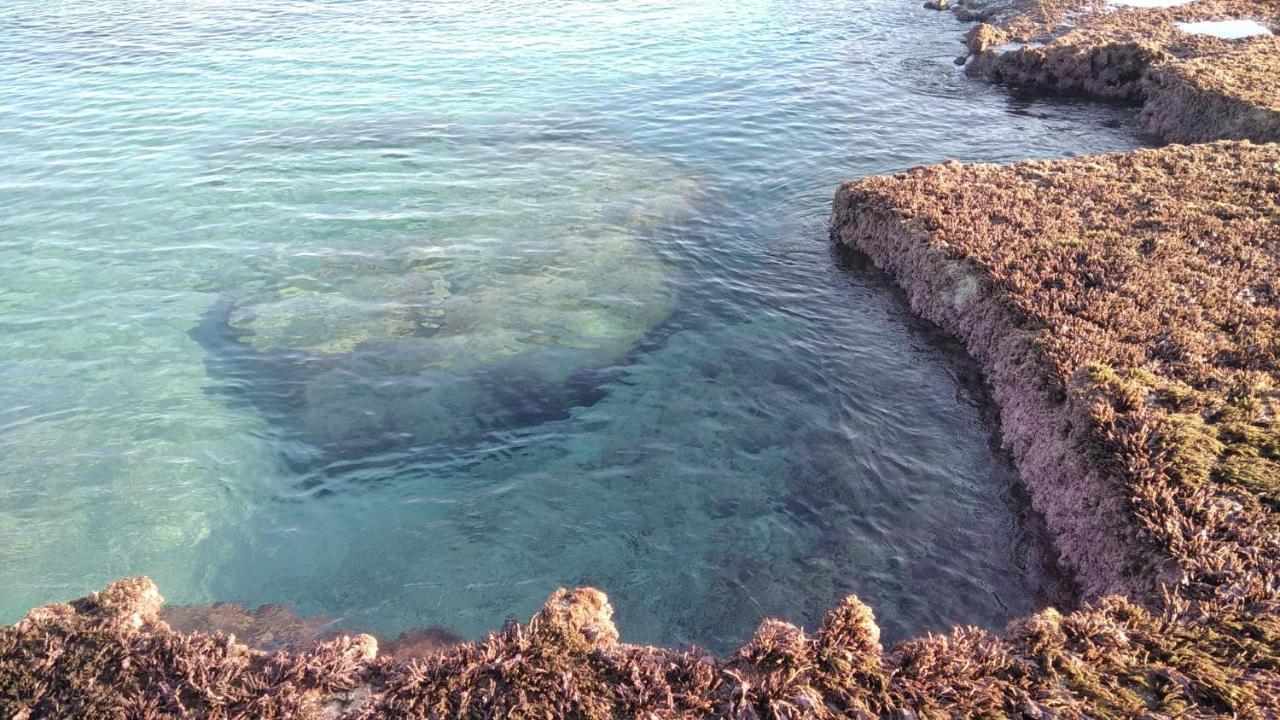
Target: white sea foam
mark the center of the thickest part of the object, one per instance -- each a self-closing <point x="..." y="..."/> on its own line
<point x="1149" y="3"/>
<point x="1012" y="46"/>
<point x="1226" y="29"/>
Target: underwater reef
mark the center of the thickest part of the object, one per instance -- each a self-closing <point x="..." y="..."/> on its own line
<point x="1204" y="70"/>
<point x="425" y="331"/>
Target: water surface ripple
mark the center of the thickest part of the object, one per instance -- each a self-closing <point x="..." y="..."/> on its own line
<point x="407" y="313"/>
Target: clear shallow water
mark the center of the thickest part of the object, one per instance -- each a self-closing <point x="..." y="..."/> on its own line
<point x="408" y="313"/>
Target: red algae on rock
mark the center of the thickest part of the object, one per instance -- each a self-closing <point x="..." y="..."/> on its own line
<point x="110" y="656"/>
<point x="1196" y="87"/>
<point x="1231" y="94"/>
<point x="1126" y="311"/>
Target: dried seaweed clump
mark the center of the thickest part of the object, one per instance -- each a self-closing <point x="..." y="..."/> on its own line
<point x="1197" y="87"/>
<point x="109" y="656"/>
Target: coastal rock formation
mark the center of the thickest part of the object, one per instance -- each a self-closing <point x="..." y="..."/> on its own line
<point x="1198" y="84"/>
<point x="110" y="655"/>
<point x="1125" y="310"/>
<point x="1232" y="94"/>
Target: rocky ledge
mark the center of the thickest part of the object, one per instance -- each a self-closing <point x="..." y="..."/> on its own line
<point x="1126" y="310"/>
<point x="1204" y="69"/>
<point x="111" y="655"/>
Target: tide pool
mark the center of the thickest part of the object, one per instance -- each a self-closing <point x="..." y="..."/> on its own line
<point x="409" y="313"/>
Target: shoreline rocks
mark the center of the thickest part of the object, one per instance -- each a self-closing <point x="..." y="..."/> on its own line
<point x="112" y="655"/>
<point x="1196" y="86"/>
<point x="1104" y="296"/>
<point x="1124" y="307"/>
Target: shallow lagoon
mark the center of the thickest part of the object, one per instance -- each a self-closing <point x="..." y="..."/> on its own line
<point x="407" y="314"/>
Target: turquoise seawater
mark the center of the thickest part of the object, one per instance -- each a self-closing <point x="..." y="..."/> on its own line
<point x="407" y="313"/>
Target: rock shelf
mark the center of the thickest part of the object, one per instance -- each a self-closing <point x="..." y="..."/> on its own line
<point x="1125" y="309"/>
<point x="1198" y="83"/>
<point x="111" y="655"/>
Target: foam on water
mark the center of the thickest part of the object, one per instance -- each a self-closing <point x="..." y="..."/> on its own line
<point x="1226" y="29"/>
<point x="1149" y="3"/>
<point x="1016" y="46"/>
<point x="408" y="313"/>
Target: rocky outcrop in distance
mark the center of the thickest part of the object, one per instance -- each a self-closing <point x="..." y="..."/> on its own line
<point x="1204" y="69"/>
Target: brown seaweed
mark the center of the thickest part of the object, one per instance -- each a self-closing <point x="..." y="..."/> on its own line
<point x="110" y="656"/>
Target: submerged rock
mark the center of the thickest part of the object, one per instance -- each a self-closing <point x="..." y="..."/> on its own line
<point x="270" y="628"/>
<point x="585" y="308"/>
<point x="342" y="311"/>
<point x="275" y="628"/>
<point x="530" y="278"/>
